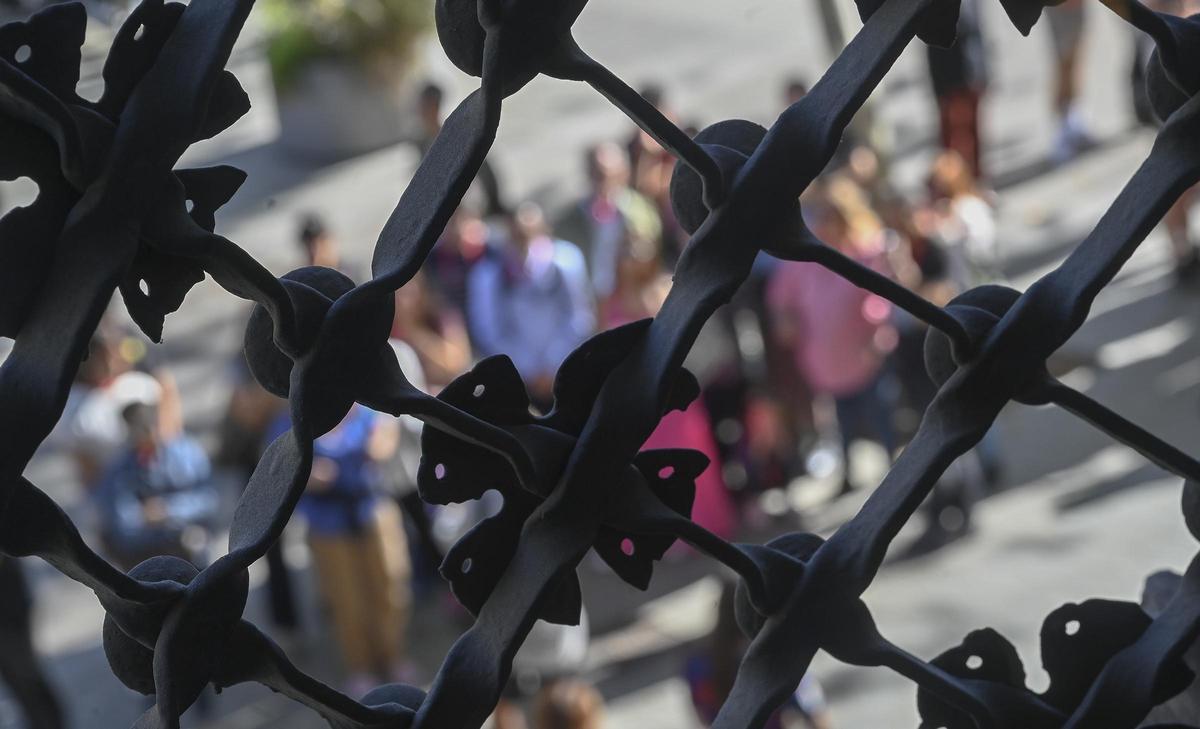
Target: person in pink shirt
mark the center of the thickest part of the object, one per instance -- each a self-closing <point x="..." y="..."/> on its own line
<point x="641" y="285"/>
<point x="841" y="334"/>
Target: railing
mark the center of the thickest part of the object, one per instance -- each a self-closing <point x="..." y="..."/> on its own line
<point x="113" y="214"/>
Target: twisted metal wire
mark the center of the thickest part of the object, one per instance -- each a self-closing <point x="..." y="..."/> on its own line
<point x="113" y="211"/>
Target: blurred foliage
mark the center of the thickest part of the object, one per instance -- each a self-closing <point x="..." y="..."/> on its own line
<point x="374" y="34"/>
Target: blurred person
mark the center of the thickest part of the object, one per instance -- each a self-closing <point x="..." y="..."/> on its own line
<point x="842" y="334"/>
<point x="865" y="169"/>
<point x="532" y="302"/>
<point x="358" y="546"/>
<point x="959" y="75"/>
<point x="158" y="496"/>
<point x="966" y="220"/>
<point x="949" y="507"/>
<point x="773" y="427"/>
<point x="91" y="428"/>
<point x="20" y="669"/>
<point x="929" y="276"/>
<point x="711" y="672"/>
<point x="551" y="654"/>
<point x="914" y="225"/>
<point x="252" y="412"/>
<point x="1177" y="220"/>
<point x="436" y="332"/>
<point x="1184" y="251"/>
<point x="1067" y="26"/>
<point x="640" y="143"/>
<point x="652" y="166"/>
<point x="641" y="284"/>
<point x="430" y="116"/>
<point x="959" y="229"/>
<point x="726" y="368"/>
<point x="318" y="244"/>
<point x="569" y="704"/>
<point x="794" y="89"/>
<point x="398" y="475"/>
<point x="248" y="414"/>
<point x="641" y="287"/>
<point x="466" y="241"/>
<point x="607" y="215"/>
<point x="773" y="439"/>
<point x="1143" y="49"/>
<point x="760" y="435"/>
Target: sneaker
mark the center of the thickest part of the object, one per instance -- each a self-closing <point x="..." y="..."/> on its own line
<point x="1072" y="138"/>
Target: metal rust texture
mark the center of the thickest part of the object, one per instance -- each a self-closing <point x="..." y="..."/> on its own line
<point x="113" y="211"/>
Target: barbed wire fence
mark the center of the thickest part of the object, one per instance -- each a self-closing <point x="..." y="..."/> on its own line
<point x="113" y="214"/>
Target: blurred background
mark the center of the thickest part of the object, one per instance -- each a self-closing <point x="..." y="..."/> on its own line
<point x="985" y="162"/>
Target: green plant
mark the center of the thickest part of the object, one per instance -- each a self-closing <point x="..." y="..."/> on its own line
<point x="371" y="33"/>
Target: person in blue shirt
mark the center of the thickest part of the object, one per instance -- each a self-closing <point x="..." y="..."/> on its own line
<point x="532" y="302"/>
<point x="157" y="496"/>
<point x="358" y="546"/>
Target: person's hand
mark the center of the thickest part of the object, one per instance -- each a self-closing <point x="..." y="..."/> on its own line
<point x="925" y="221"/>
<point x="324" y="474"/>
<point x="154" y="510"/>
<point x="384" y="440"/>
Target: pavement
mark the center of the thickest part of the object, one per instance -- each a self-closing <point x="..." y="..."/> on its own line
<point x="1079" y="515"/>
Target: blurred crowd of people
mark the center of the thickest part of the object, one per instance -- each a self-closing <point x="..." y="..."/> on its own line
<point x="801" y="361"/>
<point x="799" y="356"/>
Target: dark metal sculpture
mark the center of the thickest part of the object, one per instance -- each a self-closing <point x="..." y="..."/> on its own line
<point x="113" y="213"/>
